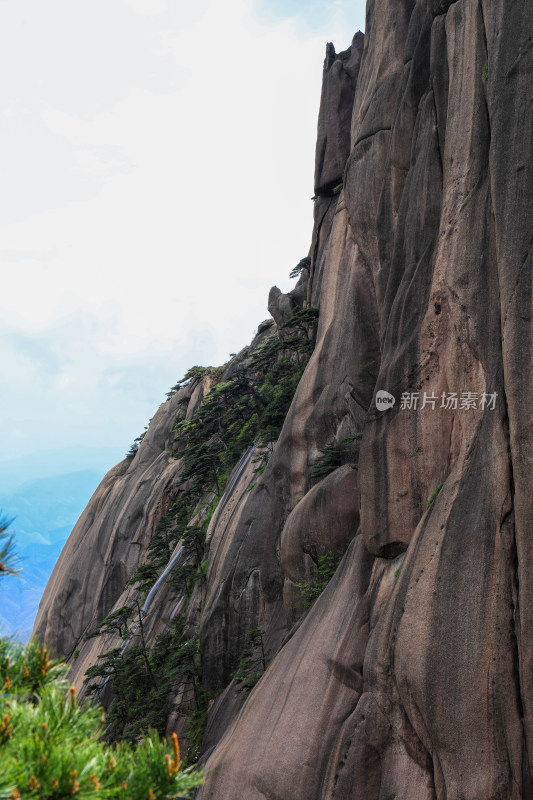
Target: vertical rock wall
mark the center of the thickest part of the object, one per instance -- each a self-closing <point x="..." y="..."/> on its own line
<point x="411" y="676"/>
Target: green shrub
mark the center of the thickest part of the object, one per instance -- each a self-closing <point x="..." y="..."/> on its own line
<point x="311" y="590"/>
<point x="334" y="454"/>
<point x="50" y="746"/>
<point x="252" y="662"/>
<point x="304" y="263"/>
<point x="434" y="493"/>
<point x="136" y="444"/>
<point x="248" y="407"/>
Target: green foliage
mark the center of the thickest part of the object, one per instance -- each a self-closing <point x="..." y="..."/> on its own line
<point x="26" y="670"/>
<point x="334" y="454"/>
<point x="194" y="374"/>
<point x="486" y="71"/>
<point x="248" y="407"/>
<point x="139" y="700"/>
<point x="197" y="720"/>
<point x="182" y="665"/>
<point x="310" y="591"/>
<point x="207" y="515"/>
<point x="168" y="532"/>
<point x="50" y="746"/>
<point x="434" y="493"/>
<point x="8" y="557"/>
<point x="115" y="623"/>
<point x="139" y="696"/>
<point x="191" y="568"/>
<point x="303" y="326"/>
<point x="304" y="263"/>
<point x="337" y="188"/>
<point x="183" y="579"/>
<point x="143" y="680"/>
<point x="396" y="573"/>
<point x="276" y="394"/>
<point x="146" y="575"/>
<point x="252" y="662"/>
<point x="197" y="723"/>
<point x="136" y="444"/>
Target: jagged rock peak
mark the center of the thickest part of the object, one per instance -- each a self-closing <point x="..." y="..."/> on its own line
<point x="338" y="90"/>
<point x="283" y="306"/>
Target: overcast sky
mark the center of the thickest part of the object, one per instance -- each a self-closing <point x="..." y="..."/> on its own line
<point x="157" y="169"/>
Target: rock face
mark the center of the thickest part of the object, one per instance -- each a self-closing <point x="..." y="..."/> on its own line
<point x="283" y="306"/>
<point x="411" y="677"/>
<point x="419" y="686"/>
<point x="338" y="89"/>
<point x="110" y="538"/>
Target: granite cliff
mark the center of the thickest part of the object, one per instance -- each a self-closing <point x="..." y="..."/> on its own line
<point x="411" y="675"/>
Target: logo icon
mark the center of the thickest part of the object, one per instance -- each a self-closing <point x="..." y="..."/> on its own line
<point x="384" y="400"/>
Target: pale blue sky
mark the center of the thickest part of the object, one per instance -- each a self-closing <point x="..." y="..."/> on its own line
<point x="157" y="163"/>
<point x="315" y="15"/>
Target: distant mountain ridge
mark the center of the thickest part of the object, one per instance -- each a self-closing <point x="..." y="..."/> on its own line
<point x="16" y="472"/>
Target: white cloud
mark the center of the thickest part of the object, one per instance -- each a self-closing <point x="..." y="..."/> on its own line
<point x="148" y="7"/>
<point x="160" y="165"/>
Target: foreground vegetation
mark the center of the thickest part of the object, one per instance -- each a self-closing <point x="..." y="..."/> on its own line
<point x="51" y="747"/>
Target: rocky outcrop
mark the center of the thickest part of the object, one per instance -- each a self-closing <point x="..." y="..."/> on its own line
<point x="284" y="306"/>
<point x="410" y="677"/>
<point x="339" y="80"/>
<point x="321" y="524"/>
<point x="432" y="662"/>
